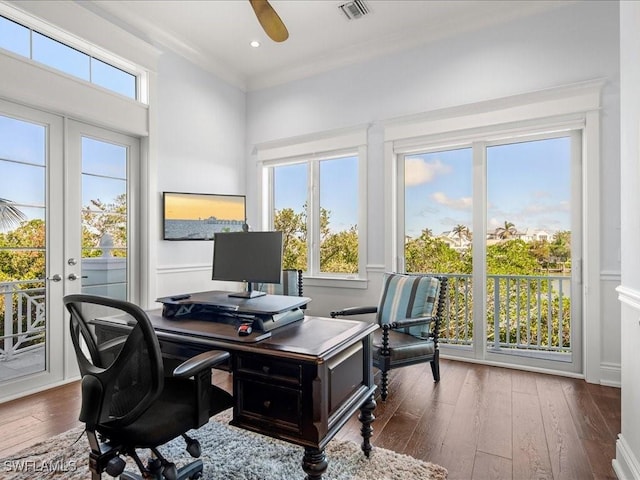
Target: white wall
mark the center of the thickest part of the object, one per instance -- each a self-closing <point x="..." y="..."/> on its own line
<point x="627" y="461"/>
<point x="567" y="45"/>
<point x="200" y="148"/>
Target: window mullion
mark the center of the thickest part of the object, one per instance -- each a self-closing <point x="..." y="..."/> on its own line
<point x="479" y="283"/>
<point x="313" y="217"/>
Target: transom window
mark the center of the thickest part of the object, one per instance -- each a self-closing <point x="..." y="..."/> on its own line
<point x="41" y="48"/>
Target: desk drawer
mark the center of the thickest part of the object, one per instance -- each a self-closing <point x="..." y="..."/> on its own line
<point x="270" y="370"/>
<point x="276" y="405"/>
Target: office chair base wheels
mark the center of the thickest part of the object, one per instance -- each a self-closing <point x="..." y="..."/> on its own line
<point x="193" y="446"/>
<point x="192" y="470"/>
<point x="115" y="466"/>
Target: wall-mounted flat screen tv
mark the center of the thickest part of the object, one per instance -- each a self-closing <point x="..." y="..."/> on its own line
<point x="199" y="216"/>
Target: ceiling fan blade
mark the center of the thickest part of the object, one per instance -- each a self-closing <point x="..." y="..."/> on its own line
<point x="269" y="20"/>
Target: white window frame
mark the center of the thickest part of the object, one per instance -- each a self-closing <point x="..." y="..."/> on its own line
<point x="557" y="109"/>
<point x="37" y="25"/>
<point x="311" y="150"/>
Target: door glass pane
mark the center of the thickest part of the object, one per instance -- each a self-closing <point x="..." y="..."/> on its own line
<point x="104" y="218"/>
<point x="438" y="237"/>
<point x="290" y="213"/>
<point x="339" y="215"/>
<point x="529" y="248"/>
<point x="22" y="248"/>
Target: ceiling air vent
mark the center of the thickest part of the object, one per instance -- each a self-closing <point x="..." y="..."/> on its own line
<point x="354" y="10"/>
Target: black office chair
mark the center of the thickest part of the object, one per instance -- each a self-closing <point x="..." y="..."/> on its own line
<point x="127" y="402"/>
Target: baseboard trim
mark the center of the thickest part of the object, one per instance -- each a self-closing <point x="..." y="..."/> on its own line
<point x="39" y="389"/>
<point x="625" y="465"/>
<point x="611" y="374"/>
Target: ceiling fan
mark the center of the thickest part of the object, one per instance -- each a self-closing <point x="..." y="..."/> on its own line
<point x="269" y="20"/>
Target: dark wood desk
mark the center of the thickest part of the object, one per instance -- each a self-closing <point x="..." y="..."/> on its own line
<point x="300" y="383"/>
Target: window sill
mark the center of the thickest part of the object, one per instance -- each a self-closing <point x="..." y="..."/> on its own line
<point x="336" y="282"/>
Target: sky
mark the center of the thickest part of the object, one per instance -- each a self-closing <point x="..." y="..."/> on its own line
<point x="23" y="174"/>
<point x="338" y="189"/>
<point x="179" y="206"/>
<point x="528" y="184"/>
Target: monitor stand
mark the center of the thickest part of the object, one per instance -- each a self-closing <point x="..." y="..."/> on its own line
<point x="249" y="293"/>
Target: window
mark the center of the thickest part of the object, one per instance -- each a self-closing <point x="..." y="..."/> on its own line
<point x="316" y="200"/>
<point x="46" y="50"/>
<point x="491" y="196"/>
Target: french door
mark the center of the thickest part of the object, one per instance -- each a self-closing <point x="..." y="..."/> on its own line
<point x="65" y="205"/>
<point x="502" y="219"/>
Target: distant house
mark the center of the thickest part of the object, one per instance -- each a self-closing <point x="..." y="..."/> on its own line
<point x="454" y="241"/>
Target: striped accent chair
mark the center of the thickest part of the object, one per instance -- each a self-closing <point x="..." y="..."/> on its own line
<point x="409" y="314"/>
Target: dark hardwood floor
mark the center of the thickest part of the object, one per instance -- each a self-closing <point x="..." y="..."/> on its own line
<point x="479" y="422"/>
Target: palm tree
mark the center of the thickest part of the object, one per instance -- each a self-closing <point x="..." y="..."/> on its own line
<point x="10" y="215"/>
<point x="506" y="231"/>
<point x="462" y="232"/>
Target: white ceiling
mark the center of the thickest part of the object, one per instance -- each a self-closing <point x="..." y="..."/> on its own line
<point x="216" y="33"/>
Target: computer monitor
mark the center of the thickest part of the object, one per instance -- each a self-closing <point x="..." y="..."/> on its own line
<point x="252" y="257"/>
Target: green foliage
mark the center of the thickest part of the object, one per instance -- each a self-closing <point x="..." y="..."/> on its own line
<point x="100" y="219"/>
<point x="22" y="255"/>
<point x="528" y="310"/>
<point x="511" y="257"/>
<point x="294" y="238"/>
<point x="427" y="254"/>
<point x="338" y="250"/>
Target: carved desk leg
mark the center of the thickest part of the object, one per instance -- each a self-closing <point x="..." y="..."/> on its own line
<point x="366" y="417"/>
<point x="314" y="463"/>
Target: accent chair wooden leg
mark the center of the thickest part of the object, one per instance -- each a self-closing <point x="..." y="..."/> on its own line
<point x="435" y="366"/>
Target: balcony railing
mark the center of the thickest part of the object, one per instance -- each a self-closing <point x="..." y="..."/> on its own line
<point x="524" y="313"/>
<point x="22" y="315"/>
<point x="529" y="314"/>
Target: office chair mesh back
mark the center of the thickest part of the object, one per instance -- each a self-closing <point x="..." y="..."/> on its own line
<point x="114" y="364"/>
<point x="130" y="388"/>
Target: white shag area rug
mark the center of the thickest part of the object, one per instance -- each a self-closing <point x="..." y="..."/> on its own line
<point x="228" y="453"/>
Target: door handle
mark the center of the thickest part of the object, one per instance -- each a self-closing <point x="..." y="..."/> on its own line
<point x="73" y="276"/>
<point x="55" y="278"/>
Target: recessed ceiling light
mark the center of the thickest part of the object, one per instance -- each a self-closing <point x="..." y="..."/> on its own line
<point x="255" y="44"/>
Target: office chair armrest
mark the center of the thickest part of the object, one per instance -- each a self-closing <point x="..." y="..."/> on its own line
<point x="410" y="322"/>
<point x="200" y="362"/>
<point x="353" y="311"/>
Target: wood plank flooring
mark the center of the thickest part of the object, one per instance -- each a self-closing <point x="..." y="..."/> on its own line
<point x="479" y="422"/>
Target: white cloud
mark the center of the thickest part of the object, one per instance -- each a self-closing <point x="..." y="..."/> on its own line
<point x="462" y="203"/>
<point x="417" y="171"/>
